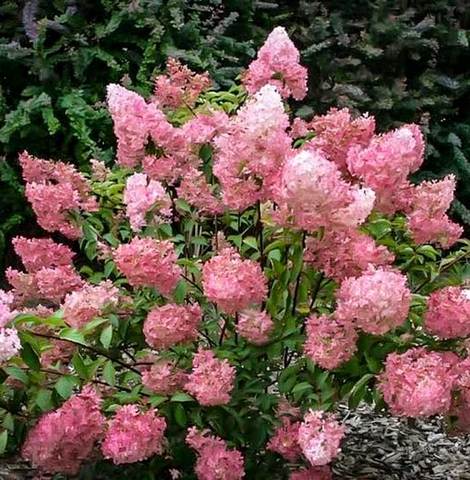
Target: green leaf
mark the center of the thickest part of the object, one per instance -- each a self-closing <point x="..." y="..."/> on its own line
<point x="109" y="373"/>
<point x="30" y="357"/>
<point x="17" y="373"/>
<point x="180" y="415"/>
<point x="106" y="336"/>
<point x="64" y="386"/>
<point x="44" y="400"/>
<point x="251" y="242"/>
<point x="73" y="335"/>
<point x="181" y="397"/>
<point x="3" y="441"/>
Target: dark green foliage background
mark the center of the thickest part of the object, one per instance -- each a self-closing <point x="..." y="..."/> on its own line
<point x="400" y="60"/>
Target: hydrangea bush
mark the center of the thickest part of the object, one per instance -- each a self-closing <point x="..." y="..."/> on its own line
<point x="246" y="271"/>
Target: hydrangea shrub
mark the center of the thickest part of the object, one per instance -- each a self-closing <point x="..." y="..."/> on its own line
<point x="246" y="271"/>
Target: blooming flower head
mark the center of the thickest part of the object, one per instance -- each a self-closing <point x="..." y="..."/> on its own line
<point x="163" y="377"/>
<point x="418" y="383"/>
<point x="345" y="253"/>
<point x="179" y="86"/>
<point x="336" y="132"/>
<point x="37" y="253"/>
<point x="386" y="162"/>
<point x="81" y="306"/>
<point x="232" y="283"/>
<point x="375" y="302"/>
<point x="55" y="283"/>
<point x="214" y="460"/>
<point x="7" y="313"/>
<point x="170" y="324"/>
<point x="149" y="262"/>
<point x="211" y="380"/>
<point x="277" y="63"/>
<point x="65" y="438"/>
<point x="285" y="440"/>
<point x="133" y="436"/>
<point x="329" y="343"/>
<point x="143" y="197"/>
<point x="255" y="326"/>
<point x="319" y="437"/>
<point x="312" y="473"/>
<point x="248" y="157"/>
<point x="10" y="344"/>
<point x="448" y="313"/>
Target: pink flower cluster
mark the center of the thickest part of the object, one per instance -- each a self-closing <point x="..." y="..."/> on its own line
<point x="179" y="86"/>
<point x="63" y="439"/>
<point x="214" y="460"/>
<point x="448" y="313"/>
<point x="54" y="190"/>
<point x="232" y="283"/>
<point x="348" y="253"/>
<point x="133" y="436"/>
<point x="278" y="64"/>
<point x="149" y="263"/>
<point x="10" y="344"/>
<point x="285" y="442"/>
<point x="81" y="306"/>
<point x="375" y="302"/>
<point x="418" y="383"/>
<point x="329" y="342"/>
<point x="312" y="473"/>
<point x="146" y="198"/>
<point x="163" y="377"/>
<point x="7" y="312"/>
<point x="171" y="324"/>
<point x="211" y="380"/>
<point x="255" y="326"/>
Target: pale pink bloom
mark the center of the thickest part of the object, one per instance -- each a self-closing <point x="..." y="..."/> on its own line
<point x="384" y="165"/>
<point x="285" y="440"/>
<point x="144" y="198"/>
<point x="211" y="380"/>
<point x="214" y="460"/>
<point x="163" y="377"/>
<point x="36" y="253"/>
<point x="312" y="473"/>
<point x="131" y="118"/>
<point x="255" y="326"/>
<point x="25" y="285"/>
<point x="203" y="127"/>
<point x="348" y="253"/>
<point x="375" y="302"/>
<point x="62" y="440"/>
<point x="439" y="230"/>
<point x="10" y="344"/>
<point x="195" y="190"/>
<point x="319" y="437"/>
<point x="434" y="197"/>
<point x="311" y="191"/>
<point x="278" y="64"/>
<point x="232" y="283"/>
<point x="149" y="263"/>
<point x="7" y="313"/>
<point x="337" y="131"/>
<point x="171" y="324"/>
<point x="249" y="156"/>
<point x="54" y="283"/>
<point x="81" y="306"/>
<point x="448" y="313"/>
<point x="133" y="436"/>
<point x="329" y="342"/>
<point x="356" y="213"/>
<point x="179" y="86"/>
<point x="418" y="383"/>
<point x="299" y="128"/>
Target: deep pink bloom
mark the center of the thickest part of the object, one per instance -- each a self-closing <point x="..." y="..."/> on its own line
<point x="277" y="63"/>
<point x="214" y="460"/>
<point x="37" y="253"/>
<point x="143" y="198"/>
<point x="133" y="436"/>
<point x="65" y="438"/>
<point x="149" y="263"/>
<point x="170" y="324"/>
<point x="81" y="306"/>
<point x="232" y="283"/>
<point x="211" y="380"/>
<point x="319" y="437"/>
<point x="285" y="440"/>
<point x="255" y="326"/>
<point x="448" y="313"/>
<point x="375" y="302"/>
<point x="163" y="377"/>
<point x="418" y="383"/>
<point x="329" y="342"/>
<point x="348" y="253"/>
